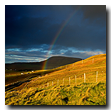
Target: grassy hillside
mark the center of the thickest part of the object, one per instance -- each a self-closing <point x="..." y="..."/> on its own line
<point x="64" y="86"/>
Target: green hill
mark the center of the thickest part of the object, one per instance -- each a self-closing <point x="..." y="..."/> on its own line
<point x="79" y="83"/>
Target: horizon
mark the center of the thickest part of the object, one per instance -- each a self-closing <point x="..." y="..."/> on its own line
<point x="41" y="61"/>
<point x="34" y="33"/>
<point x="48" y="58"/>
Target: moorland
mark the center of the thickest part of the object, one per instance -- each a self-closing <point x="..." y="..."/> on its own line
<point x="79" y="83"/>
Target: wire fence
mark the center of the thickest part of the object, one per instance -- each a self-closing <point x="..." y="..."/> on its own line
<point x="71" y="81"/>
<point x="85" y="78"/>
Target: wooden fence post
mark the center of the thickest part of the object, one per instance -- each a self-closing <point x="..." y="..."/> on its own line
<point x="75" y="79"/>
<point x="47" y="84"/>
<point x="93" y="60"/>
<point x="69" y="80"/>
<point x="84" y="78"/>
<point x="57" y="82"/>
<point x="52" y="83"/>
<point x="96" y="75"/>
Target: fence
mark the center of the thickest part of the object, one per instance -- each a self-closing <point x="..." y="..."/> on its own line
<point x="69" y="81"/>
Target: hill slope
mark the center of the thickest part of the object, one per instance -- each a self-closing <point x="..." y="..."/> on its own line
<point x="51" y="63"/>
<point x="57" y="61"/>
<point x="65" y="86"/>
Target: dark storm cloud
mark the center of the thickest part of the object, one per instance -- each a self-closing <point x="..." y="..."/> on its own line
<point x="25" y="31"/>
<point x="35" y="27"/>
<point x="95" y="11"/>
<point x="83" y="38"/>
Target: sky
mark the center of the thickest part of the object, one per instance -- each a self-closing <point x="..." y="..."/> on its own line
<point x="34" y="33"/>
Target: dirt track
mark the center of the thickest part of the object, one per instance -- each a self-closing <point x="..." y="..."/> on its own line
<point x="16" y="84"/>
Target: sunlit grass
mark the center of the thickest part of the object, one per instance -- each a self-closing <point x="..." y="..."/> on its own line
<point x="55" y="88"/>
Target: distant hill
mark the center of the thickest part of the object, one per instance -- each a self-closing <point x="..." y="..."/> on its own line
<point x="22" y="66"/>
<point x="52" y="62"/>
<point x="57" y="61"/>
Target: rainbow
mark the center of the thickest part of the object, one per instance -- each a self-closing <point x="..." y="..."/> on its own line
<point x="58" y="34"/>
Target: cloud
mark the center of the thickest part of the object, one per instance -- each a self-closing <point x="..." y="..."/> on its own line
<point x="37" y="55"/>
<point x="26" y="29"/>
<point x="95" y="14"/>
<point x="83" y="38"/>
<point x="24" y="56"/>
<point x="32" y="29"/>
<point x="82" y="54"/>
<point x="94" y="11"/>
